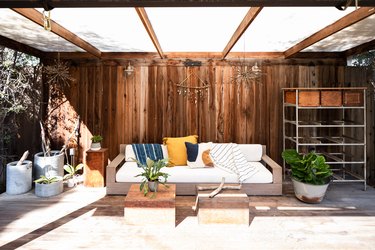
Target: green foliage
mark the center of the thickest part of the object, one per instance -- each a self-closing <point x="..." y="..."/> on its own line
<point x="47" y="180"/>
<point x="71" y="170"/>
<point x="96" y="138"/>
<point x="152" y="172"/>
<point x="308" y="168"/>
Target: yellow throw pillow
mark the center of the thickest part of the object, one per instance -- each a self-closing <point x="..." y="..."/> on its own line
<point x="177" y="149"/>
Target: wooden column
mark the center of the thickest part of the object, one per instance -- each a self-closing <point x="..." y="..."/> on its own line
<point x="95" y="166"/>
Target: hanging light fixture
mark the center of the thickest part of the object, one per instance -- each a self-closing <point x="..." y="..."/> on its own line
<point x="244" y="72"/>
<point x="129" y="69"/>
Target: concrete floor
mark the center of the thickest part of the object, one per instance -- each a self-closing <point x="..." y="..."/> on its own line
<point x="84" y="218"/>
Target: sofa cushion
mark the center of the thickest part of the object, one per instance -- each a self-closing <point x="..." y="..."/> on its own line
<point x="198" y="155"/>
<point x="177" y="149"/>
<point x="252" y="152"/>
<point x="130" y="155"/>
<point x="184" y="174"/>
<point x="144" y="151"/>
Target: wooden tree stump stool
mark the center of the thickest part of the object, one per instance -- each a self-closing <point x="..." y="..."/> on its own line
<point x="227" y="207"/>
<point x="149" y="210"/>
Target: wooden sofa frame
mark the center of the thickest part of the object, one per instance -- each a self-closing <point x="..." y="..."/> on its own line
<point x="121" y="188"/>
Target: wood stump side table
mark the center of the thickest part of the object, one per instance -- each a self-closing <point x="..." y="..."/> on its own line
<point x="227" y="207"/>
<point x="95" y="167"/>
<point x="147" y="210"/>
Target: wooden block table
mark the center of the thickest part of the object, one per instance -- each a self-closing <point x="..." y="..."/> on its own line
<point x="148" y="210"/>
<point x="96" y="162"/>
<point x="228" y="207"/>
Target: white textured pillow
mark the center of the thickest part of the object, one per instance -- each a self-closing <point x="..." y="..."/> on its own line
<point x="130" y="155"/>
<point x="199" y="163"/>
<point x="252" y="152"/>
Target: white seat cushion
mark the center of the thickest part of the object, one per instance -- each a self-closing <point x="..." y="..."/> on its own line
<point x="184" y="174"/>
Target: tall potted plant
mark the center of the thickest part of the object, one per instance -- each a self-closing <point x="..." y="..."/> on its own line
<point x="152" y="175"/>
<point x="51" y="159"/>
<point x="310" y="175"/>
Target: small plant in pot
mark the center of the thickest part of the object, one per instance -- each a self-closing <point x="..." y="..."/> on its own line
<point x="96" y="142"/>
<point x="47" y="186"/>
<point x="72" y="174"/>
<point x="310" y="175"/>
<point x="152" y="175"/>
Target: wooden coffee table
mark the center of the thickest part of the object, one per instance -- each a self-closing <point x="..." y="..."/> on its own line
<point x="227" y="207"/>
<point x="148" y="210"/>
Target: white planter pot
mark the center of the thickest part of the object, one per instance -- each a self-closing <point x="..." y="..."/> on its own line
<point x="71" y="182"/>
<point x="309" y="193"/>
<point x="48" y="190"/>
<point x="53" y="165"/>
<point x="18" y="178"/>
<point x="96" y="146"/>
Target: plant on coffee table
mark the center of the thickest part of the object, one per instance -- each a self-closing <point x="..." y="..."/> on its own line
<point x="152" y="175"/>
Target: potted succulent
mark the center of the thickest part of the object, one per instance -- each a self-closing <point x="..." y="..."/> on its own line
<point x="310" y="175"/>
<point x="48" y="186"/>
<point x="72" y="173"/>
<point x="95" y="142"/>
<point x="152" y="175"/>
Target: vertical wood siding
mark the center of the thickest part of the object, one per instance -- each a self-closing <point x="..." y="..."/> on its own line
<point x="145" y="107"/>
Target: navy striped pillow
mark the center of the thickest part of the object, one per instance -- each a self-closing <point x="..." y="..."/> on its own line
<point x="152" y="151"/>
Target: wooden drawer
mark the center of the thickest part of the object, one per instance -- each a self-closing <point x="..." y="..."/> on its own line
<point x="353" y="98"/>
<point x="331" y="98"/>
<point x="309" y="98"/>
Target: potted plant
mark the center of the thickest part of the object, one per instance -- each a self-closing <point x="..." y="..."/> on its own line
<point x="48" y="186"/>
<point x="152" y="175"/>
<point x="51" y="159"/>
<point x="95" y="142"/>
<point x="310" y="175"/>
<point x="72" y="173"/>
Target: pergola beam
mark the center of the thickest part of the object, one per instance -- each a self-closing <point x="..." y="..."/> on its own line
<point x="360" y="48"/>
<point x="37" y="17"/>
<point x="175" y="3"/>
<point x="331" y="29"/>
<point x="245" y="23"/>
<point x="10" y="43"/>
<point x="148" y="26"/>
<point x="193" y="55"/>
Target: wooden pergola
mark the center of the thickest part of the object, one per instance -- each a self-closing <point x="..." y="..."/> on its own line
<point x="26" y="9"/>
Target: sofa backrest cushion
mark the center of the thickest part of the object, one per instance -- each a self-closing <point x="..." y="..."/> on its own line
<point x="177" y="149"/>
<point x="198" y="155"/>
<point x="252" y="152"/>
<point x="130" y="155"/>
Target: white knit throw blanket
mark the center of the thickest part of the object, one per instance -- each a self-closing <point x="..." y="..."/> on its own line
<point x="229" y="157"/>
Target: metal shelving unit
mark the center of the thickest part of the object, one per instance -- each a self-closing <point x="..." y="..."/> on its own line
<point x="339" y="137"/>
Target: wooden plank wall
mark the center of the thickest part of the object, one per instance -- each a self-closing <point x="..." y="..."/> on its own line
<point x="145" y="107"/>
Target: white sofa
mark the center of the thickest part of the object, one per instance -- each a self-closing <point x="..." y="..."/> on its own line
<point x="267" y="179"/>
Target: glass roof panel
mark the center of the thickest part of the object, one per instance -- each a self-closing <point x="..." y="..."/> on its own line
<point x="107" y="29"/>
<point x="195" y="29"/>
<point x="276" y="29"/>
<point x="352" y="36"/>
<point x="20" y="29"/>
